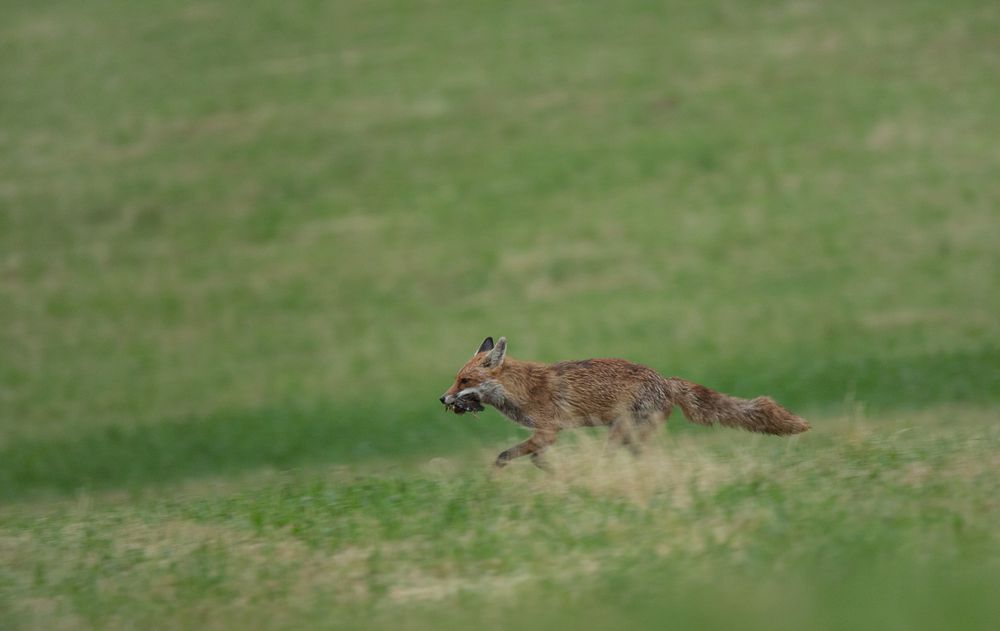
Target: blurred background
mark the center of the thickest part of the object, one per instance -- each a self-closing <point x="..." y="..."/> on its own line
<point x="300" y="219"/>
<point x="244" y="236"/>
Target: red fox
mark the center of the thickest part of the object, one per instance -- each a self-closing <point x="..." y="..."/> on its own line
<point x="632" y="399"/>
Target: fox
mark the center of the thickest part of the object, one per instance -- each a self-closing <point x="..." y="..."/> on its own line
<point x="631" y="399"/>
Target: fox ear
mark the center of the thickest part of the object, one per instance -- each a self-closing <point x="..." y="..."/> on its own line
<point x="487" y="345"/>
<point x="495" y="358"/>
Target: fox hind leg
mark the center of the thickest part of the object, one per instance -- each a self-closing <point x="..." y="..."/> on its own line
<point x="649" y="425"/>
<point x="634" y="430"/>
<point x="622" y="434"/>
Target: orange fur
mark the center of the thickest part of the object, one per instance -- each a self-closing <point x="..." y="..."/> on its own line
<point x="632" y="399"/>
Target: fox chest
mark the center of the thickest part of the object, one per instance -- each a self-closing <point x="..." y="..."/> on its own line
<point x="515" y="413"/>
<point x="493" y="393"/>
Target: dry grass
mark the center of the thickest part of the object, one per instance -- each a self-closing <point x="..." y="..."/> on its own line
<point x="276" y="548"/>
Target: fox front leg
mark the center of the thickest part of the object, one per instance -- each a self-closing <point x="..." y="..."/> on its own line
<point x="534" y="447"/>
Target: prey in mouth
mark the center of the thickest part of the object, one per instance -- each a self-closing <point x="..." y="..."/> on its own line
<point x="474" y="383"/>
<point x="463" y="404"/>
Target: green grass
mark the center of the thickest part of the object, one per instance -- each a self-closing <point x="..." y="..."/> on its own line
<point x="245" y="246"/>
<point x="887" y="525"/>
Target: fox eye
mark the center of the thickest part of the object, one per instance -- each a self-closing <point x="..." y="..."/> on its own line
<point x="463" y="381"/>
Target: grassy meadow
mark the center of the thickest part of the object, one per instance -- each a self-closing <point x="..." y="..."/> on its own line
<point x="244" y="246"/>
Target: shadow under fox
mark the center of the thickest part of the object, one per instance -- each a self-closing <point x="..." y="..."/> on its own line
<point x="632" y="399"/>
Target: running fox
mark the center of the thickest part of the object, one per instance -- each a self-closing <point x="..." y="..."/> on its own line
<point x="632" y="399"/>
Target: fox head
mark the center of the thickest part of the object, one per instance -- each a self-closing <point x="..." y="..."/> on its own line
<point x="477" y="377"/>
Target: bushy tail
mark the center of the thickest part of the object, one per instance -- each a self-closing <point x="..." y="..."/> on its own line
<point x="706" y="407"/>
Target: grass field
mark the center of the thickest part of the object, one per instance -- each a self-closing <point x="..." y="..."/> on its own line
<point x="245" y="246"/>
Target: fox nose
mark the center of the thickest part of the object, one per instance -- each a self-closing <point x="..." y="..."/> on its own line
<point x="441" y="399"/>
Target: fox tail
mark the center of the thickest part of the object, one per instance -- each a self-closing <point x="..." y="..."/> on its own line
<point x="705" y="406"/>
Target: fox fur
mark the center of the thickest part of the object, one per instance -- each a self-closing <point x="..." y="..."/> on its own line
<point x="631" y="399"/>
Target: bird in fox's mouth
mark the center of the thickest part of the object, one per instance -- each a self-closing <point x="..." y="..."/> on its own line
<point x="461" y="405"/>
